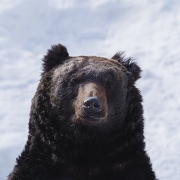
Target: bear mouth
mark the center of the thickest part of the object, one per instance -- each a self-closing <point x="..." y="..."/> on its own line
<point x="91" y="118"/>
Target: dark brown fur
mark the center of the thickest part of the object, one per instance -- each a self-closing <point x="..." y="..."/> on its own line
<point x="66" y="141"/>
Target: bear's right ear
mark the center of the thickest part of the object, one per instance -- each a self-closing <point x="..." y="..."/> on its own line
<point x="56" y="55"/>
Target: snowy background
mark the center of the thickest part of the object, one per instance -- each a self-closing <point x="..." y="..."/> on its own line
<point x="148" y="30"/>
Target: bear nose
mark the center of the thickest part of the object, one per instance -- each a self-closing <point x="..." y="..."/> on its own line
<point x="92" y="105"/>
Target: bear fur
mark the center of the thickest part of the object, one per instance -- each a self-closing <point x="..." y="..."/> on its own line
<point x="86" y="121"/>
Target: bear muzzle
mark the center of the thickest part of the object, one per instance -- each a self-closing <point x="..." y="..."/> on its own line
<point x="91" y="103"/>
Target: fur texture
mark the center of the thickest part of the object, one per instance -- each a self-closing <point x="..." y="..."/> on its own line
<point x="63" y="144"/>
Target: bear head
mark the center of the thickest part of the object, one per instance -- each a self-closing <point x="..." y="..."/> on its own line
<point x="86" y="96"/>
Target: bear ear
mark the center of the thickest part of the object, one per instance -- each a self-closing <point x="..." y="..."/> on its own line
<point x="129" y="63"/>
<point x="56" y="55"/>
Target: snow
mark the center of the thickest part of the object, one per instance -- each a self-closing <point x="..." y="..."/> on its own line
<point x="147" y="30"/>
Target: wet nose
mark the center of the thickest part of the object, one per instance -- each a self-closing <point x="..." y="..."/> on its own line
<point x="92" y="105"/>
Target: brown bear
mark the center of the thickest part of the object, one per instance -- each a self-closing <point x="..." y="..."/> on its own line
<point x="86" y="121"/>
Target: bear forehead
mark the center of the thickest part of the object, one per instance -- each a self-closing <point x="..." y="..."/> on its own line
<point x="81" y="63"/>
<point x="96" y="60"/>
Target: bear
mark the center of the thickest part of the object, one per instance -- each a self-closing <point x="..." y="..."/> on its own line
<point x="86" y="121"/>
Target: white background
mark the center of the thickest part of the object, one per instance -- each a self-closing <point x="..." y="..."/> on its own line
<point x="148" y="30"/>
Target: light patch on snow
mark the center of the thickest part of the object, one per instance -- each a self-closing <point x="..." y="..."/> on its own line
<point x="62" y="4"/>
<point x="8" y="4"/>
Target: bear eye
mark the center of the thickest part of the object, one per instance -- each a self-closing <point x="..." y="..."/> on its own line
<point x="108" y="84"/>
<point x="74" y="81"/>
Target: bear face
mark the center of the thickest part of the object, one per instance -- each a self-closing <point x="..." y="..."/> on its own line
<point x="93" y="88"/>
<point x="86" y="121"/>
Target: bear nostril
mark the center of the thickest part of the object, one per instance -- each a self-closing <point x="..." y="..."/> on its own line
<point x="92" y="105"/>
<point x="86" y="104"/>
<point x="96" y="105"/>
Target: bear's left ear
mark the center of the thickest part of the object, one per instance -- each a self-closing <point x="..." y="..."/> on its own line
<point x="56" y="55"/>
<point x="129" y="63"/>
